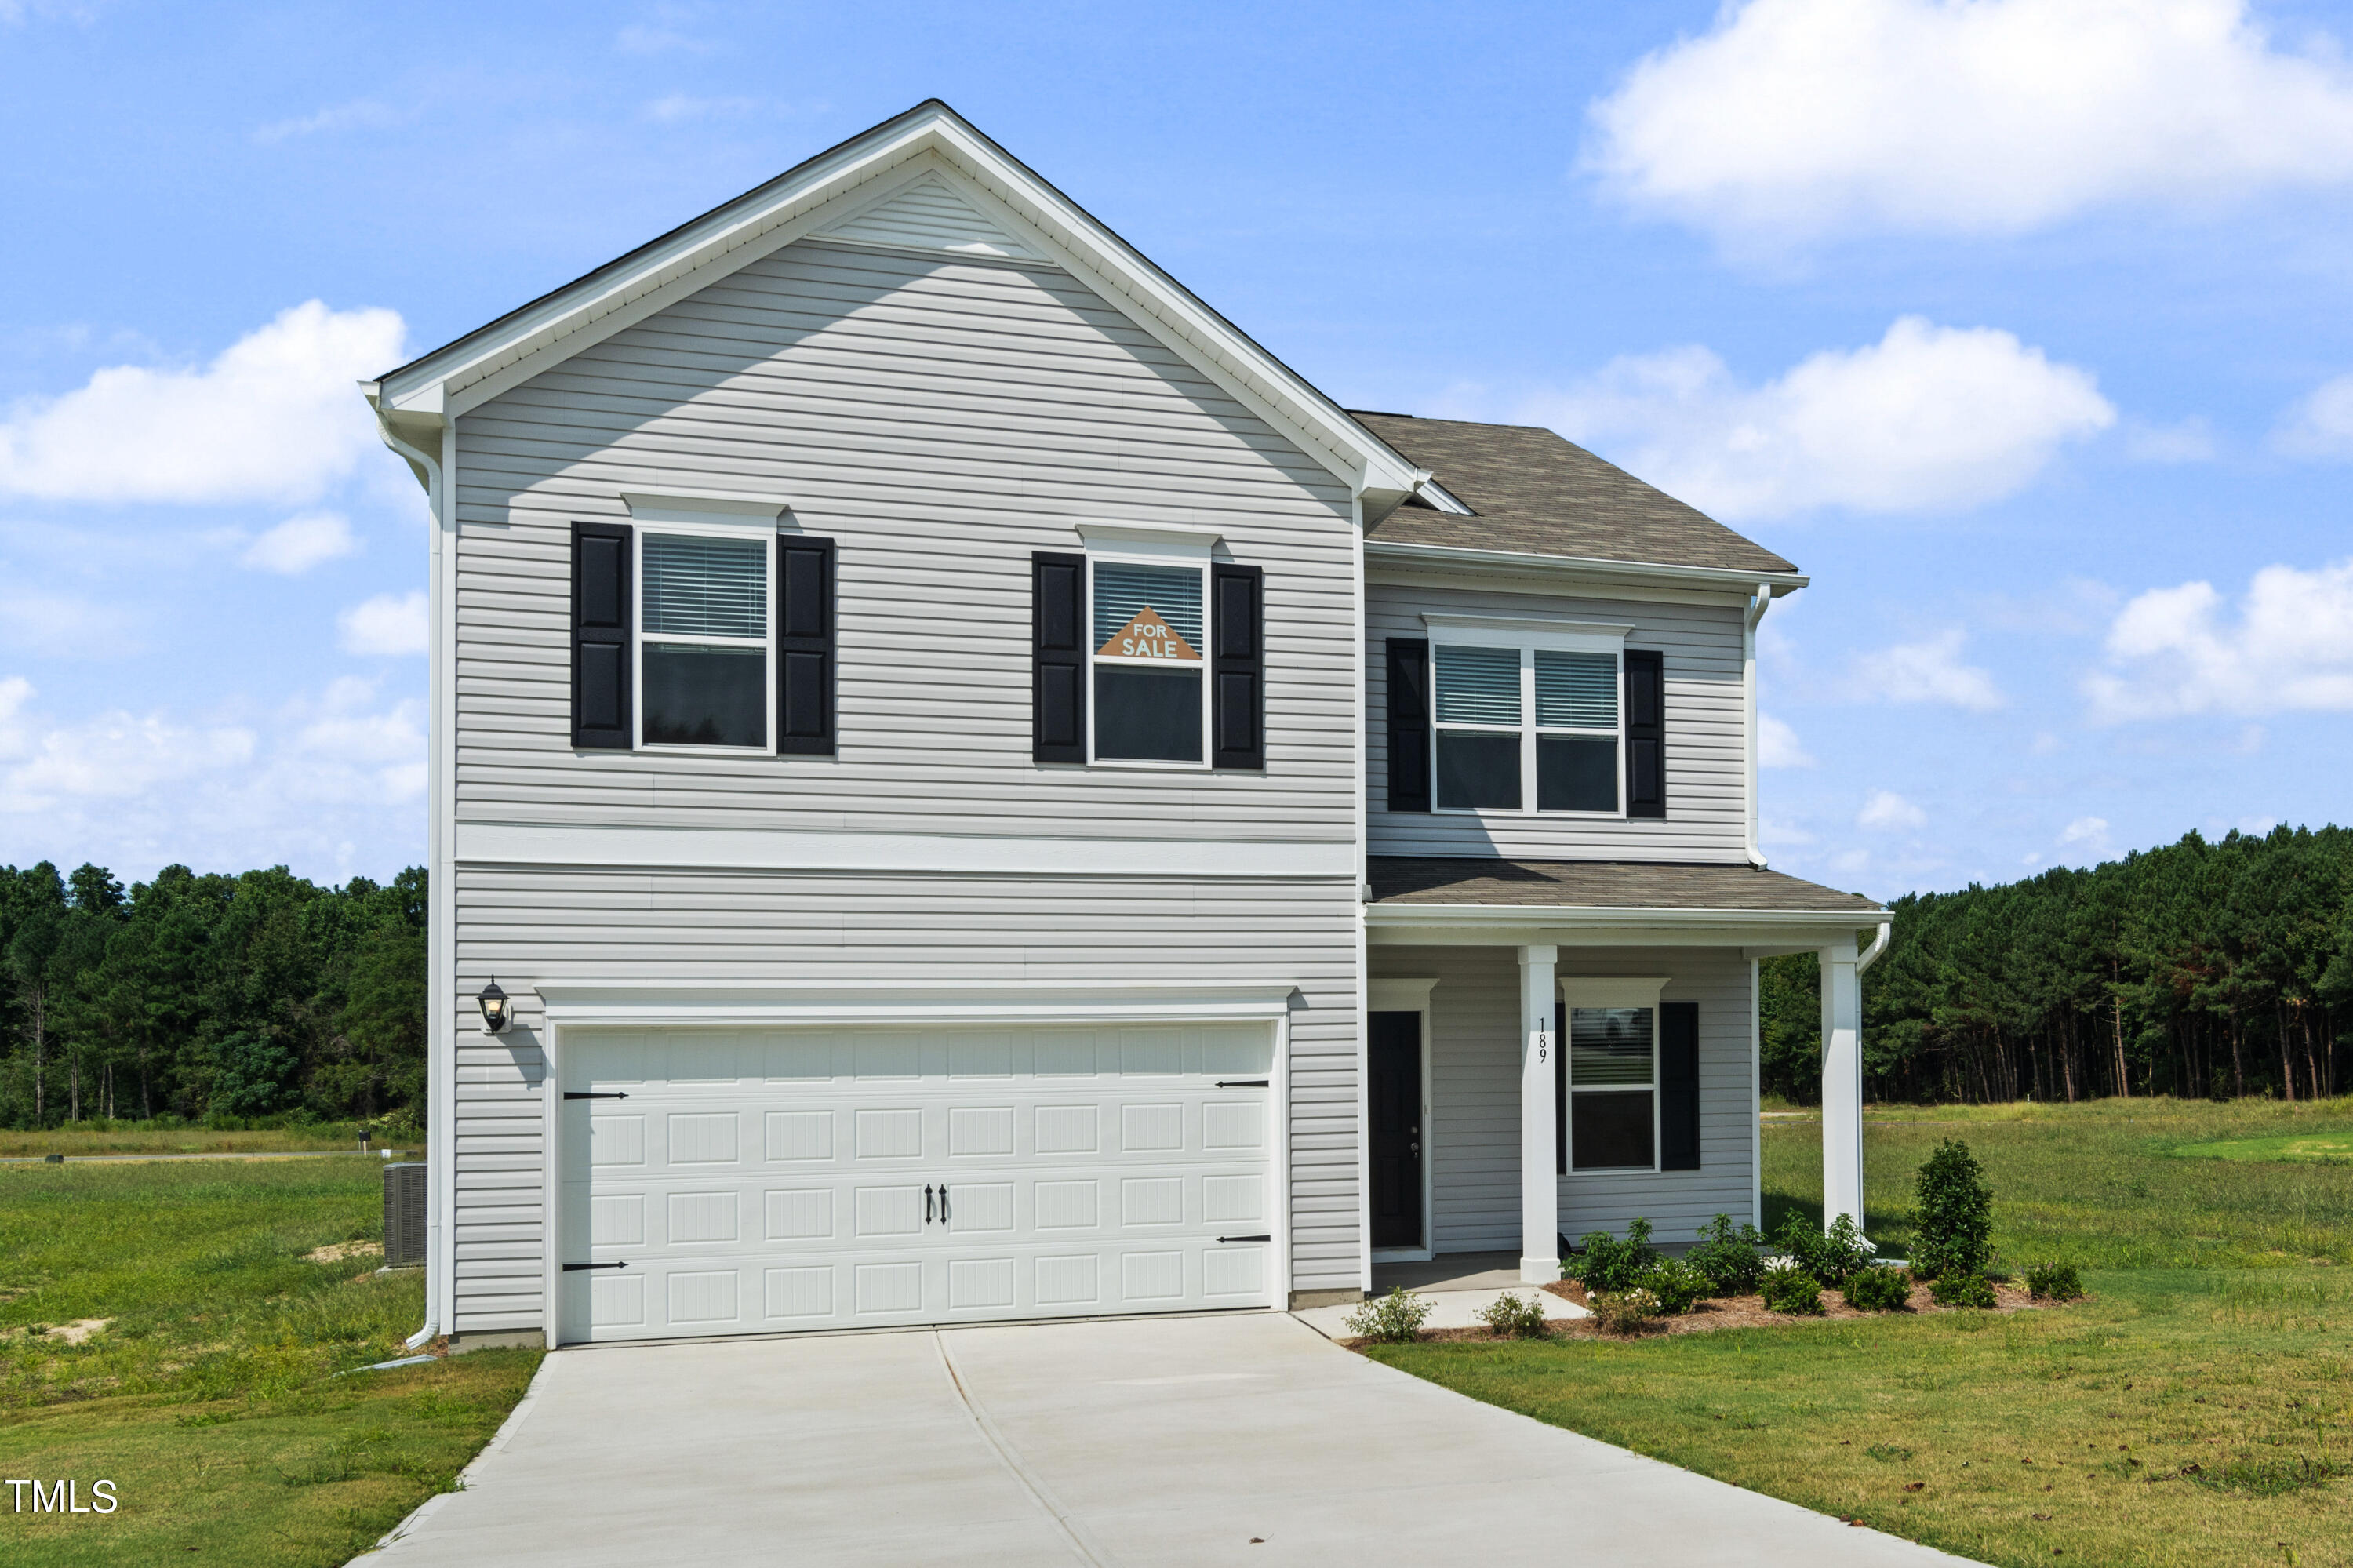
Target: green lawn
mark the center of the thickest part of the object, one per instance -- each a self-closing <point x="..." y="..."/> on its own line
<point x="2194" y="1412"/>
<point x="209" y="1398"/>
<point x="147" y="1138"/>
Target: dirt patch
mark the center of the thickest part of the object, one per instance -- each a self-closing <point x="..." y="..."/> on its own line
<point x="337" y="1252"/>
<point x="73" y="1333"/>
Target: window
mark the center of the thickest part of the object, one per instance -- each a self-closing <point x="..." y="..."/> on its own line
<point x="1150" y="702"/>
<point x="1527" y="726"/>
<point x="703" y="669"/>
<point x="1613" y="1063"/>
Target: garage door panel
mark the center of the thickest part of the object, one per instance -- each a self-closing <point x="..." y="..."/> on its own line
<point x="1070" y="1170"/>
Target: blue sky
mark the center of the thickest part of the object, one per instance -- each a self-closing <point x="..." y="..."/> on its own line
<point x="2021" y="324"/>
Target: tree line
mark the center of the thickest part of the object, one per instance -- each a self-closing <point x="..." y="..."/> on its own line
<point x="2202" y="969"/>
<point x="209" y="997"/>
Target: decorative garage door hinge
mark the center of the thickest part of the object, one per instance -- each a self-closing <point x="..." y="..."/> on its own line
<point x="1244" y="1238"/>
<point x="588" y="1095"/>
<point x="575" y="1267"/>
<point x="1242" y="1083"/>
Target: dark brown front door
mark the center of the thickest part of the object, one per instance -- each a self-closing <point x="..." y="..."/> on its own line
<point x="1396" y="1130"/>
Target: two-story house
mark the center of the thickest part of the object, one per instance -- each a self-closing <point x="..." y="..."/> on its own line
<point x="963" y="789"/>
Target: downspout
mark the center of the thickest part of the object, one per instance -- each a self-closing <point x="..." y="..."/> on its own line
<point x="1751" y="613"/>
<point x="438" y="1085"/>
<point x="1870" y="955"/>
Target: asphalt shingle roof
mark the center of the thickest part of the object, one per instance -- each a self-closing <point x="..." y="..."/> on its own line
<point x="1537" y="493"/>
<point x="1602" y="885"/>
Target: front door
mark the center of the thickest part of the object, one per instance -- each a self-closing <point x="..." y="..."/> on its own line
<point x="1396" y="1131"/>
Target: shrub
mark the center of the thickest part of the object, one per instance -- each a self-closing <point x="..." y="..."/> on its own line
<point x="1608" y="1263"/>
<point x="1729" y="1257"/>
<point x="2053" y="1282"/>
<point x="1878" y="1288"/>
<point x="1952" y="1212"/>
<point x="1677" y="1285"/>
<point x="1516" y="1316"/>
<point x="1963" y="1290"/>
<point x="1622" y="1311"/>
<point x="1789" y="1288"/>
<point x="1393" y="1319"/>
<point x="1830" y="1257"/>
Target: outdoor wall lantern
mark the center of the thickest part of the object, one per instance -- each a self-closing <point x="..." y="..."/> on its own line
<point x="496" y="1014"/>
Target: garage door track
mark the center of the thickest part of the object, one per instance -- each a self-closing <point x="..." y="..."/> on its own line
<point x="1206" y="1440"/>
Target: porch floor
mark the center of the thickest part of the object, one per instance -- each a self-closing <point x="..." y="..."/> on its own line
<point x="1450" y="1271"/>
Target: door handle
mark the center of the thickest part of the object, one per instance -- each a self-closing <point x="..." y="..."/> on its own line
<point x="1413" y="1148"/>
<point x="944" y="1203"/>
<point x="927" y="1203"/>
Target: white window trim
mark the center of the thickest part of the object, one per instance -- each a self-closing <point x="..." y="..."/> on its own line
<point x="709" y="527"/>
<point x="1527" y="636"/>
<point x="1166" y="547"/>
<point x="1608" y="992"/>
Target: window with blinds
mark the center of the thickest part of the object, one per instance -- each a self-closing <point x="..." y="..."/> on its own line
<point x="1577" y="731"/>
<point x="1509" y="718"/>
<point x="702" y="673"/>
<point x="1479" y="704"/>
<point x="1150" y="701"/>
<point x="1612" y="1088"/>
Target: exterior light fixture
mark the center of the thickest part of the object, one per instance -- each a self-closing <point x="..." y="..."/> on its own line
<point x="496" y="1014"/>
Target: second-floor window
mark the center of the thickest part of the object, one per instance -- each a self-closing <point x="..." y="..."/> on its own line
<point x="1522" y="728"/>
<point x="1151" y="703"/>
<point x="705" y="676"/>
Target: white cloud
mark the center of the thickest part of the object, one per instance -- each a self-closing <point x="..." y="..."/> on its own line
<point x="2188" y="441"/>
<point x="360" y="114"/>
<point x="15" y="692"/>
<point x="2178" y="651"/>
<point x="387" y="624"/>
<point x="1926" y="671"/>
<point x="65" y="626"/>
<point x="1772" y="830"/>
<point x="2320" y="424"/>
<point x="297" y="545"/>
<point x="2090" y="832"/>
<point x="679" y="107"/>
<point x="1886" y="812"/>
<point x="115" y="756"/>
<point x="1778" y="745"/>
<point x="274" y="417"/>
<point x="2257" y="827"/>
<point x="1790" y="120"/>
<point x="1928" y="418"/>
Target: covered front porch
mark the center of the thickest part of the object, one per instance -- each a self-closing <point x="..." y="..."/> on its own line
<point x="1561" y="1047"/>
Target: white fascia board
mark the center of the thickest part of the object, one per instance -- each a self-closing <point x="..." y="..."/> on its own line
<point x="1498" y="925"/>
<point x="1583" y="567"/>
<point x="1197" y="541"/>
<point x="459" y="377"/>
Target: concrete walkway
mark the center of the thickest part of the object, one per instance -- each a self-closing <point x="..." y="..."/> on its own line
<point x="1179" y="1441"/>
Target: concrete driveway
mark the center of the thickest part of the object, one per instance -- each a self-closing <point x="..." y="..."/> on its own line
<point x="1245" y="1439"/>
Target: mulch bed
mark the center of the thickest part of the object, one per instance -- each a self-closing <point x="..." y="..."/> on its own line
<point x="1726" y="1313"/>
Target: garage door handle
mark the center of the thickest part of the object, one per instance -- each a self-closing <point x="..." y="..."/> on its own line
<point x="586" y="1094"/>
<point x="927" y="1203"/>
<point x="1244" y="1238"/>
<point x="576" y="1267"/>
<point x="1242" y="1083"/>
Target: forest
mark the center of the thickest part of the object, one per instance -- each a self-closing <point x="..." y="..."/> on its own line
<point x="212" y="998"/>
<point x="2208" y="969"/>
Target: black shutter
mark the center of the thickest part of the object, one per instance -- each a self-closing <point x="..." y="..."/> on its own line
<point x="1058" y="657"/>
<point x="600" y="636"/>
<point x="1646" y="734"/>
<point x="1679" y="1086"/>
<point x="1238" y="654"/>
<point x="1409" y="725"/>
<point x="805" y="646"/>
<point x="1560" y="1087"/>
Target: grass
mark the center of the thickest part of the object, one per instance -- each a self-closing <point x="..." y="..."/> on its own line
<point x="149" y="1137"/>
<point x="2332" y="1149"/>
<point x="2194" y="1411"/>
<point x="210" y="1398"/>
<point x="2090" y="1416"/>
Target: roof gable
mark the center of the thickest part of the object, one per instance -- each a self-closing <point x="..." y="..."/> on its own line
<point x="924" y="179"/>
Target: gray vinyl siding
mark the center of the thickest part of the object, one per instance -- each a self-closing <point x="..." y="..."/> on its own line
<point x="939" y="418"/>
<point x="1474" y="1088"/>
<point x="534" y="925"/>
<point x="1705" y="723"/>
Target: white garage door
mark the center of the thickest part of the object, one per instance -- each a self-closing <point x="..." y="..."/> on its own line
<point x="751" y="1182"/>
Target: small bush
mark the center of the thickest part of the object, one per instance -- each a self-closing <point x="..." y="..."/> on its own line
<point x="1952" y="1212"/>
<point x="1789" y="1288"/>
<point x="1676" y="1284"/>
<point x="1830" y="1257"/>
<point x="1963" y="1290"/>
<point x="2053" y="1282"/>
<point x="1622" y="1311"/>
<point x="1393" y="1319"/>
<point x="1605" y="1263"/>
<point x="1878" y="1288"/>
<point x="1729" y="1257"/>
<point x="1512" y="1316"/>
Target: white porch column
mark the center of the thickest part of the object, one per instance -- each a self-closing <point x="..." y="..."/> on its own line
<point x="1841" y="1083"/>
<point x="1539" y="1178"/>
